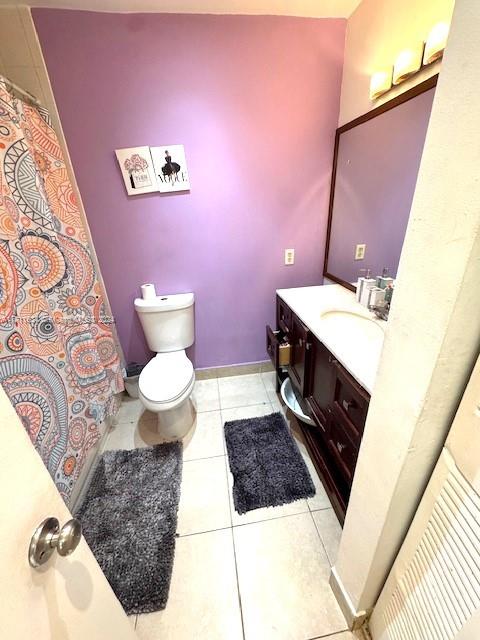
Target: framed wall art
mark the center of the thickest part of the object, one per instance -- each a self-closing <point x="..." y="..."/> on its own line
<point x="137" y="170"/>
<point x="170" y="166"/>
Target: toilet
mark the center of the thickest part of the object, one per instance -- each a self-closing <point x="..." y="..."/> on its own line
<point x="166" y="382"/>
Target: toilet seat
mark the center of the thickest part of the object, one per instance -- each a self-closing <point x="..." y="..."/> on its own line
<point x="166" y="377"/>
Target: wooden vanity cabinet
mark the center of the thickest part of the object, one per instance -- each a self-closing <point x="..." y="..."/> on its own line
<point x="336" y="403"/>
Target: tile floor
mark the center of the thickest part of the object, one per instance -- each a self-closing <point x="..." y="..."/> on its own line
<point x="263" y="575"/>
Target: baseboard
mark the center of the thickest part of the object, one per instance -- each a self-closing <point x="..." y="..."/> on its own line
<point x="355" y="619"/>
<point x="233" y="370"/>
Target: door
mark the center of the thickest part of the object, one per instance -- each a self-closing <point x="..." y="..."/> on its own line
<point x="68" y="598"/>
<point x="433" y="590"/>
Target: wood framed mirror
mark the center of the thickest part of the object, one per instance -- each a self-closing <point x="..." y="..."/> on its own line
<point x="375" y="167"/>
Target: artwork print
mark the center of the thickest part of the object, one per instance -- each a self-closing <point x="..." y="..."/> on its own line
<point x="137" y="170"/>
<point x="170" y="166"/>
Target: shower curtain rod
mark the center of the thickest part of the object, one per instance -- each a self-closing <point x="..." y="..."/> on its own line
<point x="20" y="93"/>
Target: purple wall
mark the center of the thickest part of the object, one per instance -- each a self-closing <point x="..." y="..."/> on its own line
<point x="377" y="170"/>
<point x="255" y="101"/>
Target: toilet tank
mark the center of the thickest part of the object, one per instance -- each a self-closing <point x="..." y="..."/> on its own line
<point x="167" y="321"/>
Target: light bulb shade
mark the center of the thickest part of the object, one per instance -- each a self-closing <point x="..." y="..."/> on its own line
<point x="380" y="83"/>
<point x="407" y="63"/>
<point x="436" y="43"/>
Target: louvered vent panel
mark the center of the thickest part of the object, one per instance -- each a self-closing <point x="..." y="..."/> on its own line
<point x="440" y="589"/>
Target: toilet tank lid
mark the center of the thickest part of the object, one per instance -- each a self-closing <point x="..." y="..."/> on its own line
<point x="164" y="303"/>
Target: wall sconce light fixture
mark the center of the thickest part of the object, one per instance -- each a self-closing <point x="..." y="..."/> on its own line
<point x="436" y="43"/>
<point x="380" y="83"/>
<point x="407" y="63"/>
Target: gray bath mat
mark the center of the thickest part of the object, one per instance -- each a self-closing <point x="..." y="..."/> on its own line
<point x="129" y="519"/>
<point x="268" y="469"/>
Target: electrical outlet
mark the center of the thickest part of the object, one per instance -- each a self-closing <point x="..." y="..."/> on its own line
<point x="289" y="256"/>
<point x="360" y="251"/>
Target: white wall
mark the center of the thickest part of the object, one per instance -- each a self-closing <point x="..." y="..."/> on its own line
<point x="433" y="334"/>
<point x="376" y="32"/>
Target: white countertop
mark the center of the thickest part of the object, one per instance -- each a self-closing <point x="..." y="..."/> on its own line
<point x="354" y="337"/>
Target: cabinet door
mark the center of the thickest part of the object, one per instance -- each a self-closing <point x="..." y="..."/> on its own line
<point x="300" y="358"/>
<point x="320" y="388"/>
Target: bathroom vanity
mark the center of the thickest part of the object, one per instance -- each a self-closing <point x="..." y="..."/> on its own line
<point x="333" y="345"/>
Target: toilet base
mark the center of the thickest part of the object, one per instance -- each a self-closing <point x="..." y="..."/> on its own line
<point x="174" y="424"/>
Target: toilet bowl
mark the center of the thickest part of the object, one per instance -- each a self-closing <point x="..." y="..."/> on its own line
<point x="166" y="382"/>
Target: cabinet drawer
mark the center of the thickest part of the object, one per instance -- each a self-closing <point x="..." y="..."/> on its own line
<point x="284" y="316"/>
<point x="351" y="398"/>
<point x="343" y="451"/>
<point x="277" y="348"/>
<point x="272" y="344"/>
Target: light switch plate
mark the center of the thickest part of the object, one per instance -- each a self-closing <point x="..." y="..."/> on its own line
<point x="289" y="256"/>
<point x="360" y="251"/>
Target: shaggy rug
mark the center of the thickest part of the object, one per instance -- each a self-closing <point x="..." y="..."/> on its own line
<point x="268" y="469"/>
<point x="129" y="519"/>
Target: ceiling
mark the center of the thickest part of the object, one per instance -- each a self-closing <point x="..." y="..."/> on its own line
<point x="307" y="8"/>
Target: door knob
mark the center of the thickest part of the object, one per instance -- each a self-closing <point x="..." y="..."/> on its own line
<point x="48" y="536"/>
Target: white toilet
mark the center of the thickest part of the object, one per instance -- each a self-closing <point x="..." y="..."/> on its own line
<point x="166" y="383"/>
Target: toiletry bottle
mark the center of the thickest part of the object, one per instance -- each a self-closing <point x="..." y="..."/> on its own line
<point x="360" y="281"/>
<point x="388" y="293"/>
<point x="384" y="280"/>
<point x="377" y="297"/>
<point x="368" y="284"/>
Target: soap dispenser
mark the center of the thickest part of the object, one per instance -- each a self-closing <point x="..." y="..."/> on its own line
<point x="369" y="283"/>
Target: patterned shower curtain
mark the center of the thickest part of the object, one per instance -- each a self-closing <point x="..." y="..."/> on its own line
<point x="58" y="360"/>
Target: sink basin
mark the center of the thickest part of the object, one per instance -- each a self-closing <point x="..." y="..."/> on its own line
<point x="352" y="325"/>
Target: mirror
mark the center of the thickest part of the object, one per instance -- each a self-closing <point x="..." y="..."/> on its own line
<point x="376" y="162"/>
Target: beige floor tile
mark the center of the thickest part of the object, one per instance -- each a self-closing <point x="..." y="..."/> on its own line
<point x="132" y="435"/>
<point x="240" y="391"/>
<point x="204" y="502"/>
<point x="205" y="395"/>
<point x="130" y="410"/>
<point x="320" y="500"/>
<point x="283" y="575"/>
<point x="203" y="602"/>
<point x="346" y="635"/>
<point x="330" y="532"/>
<point x="242" y="413"/>
<point x="269" y="380"/>
<point x="205" y="440"/>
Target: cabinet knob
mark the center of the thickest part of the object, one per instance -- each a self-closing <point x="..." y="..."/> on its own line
<point x="346" y="404"/>
<point x="332" y="360"/>
<point x="340" y="447"/>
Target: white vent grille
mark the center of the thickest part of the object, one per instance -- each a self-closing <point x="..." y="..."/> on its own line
<point x="440" y="589"/>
